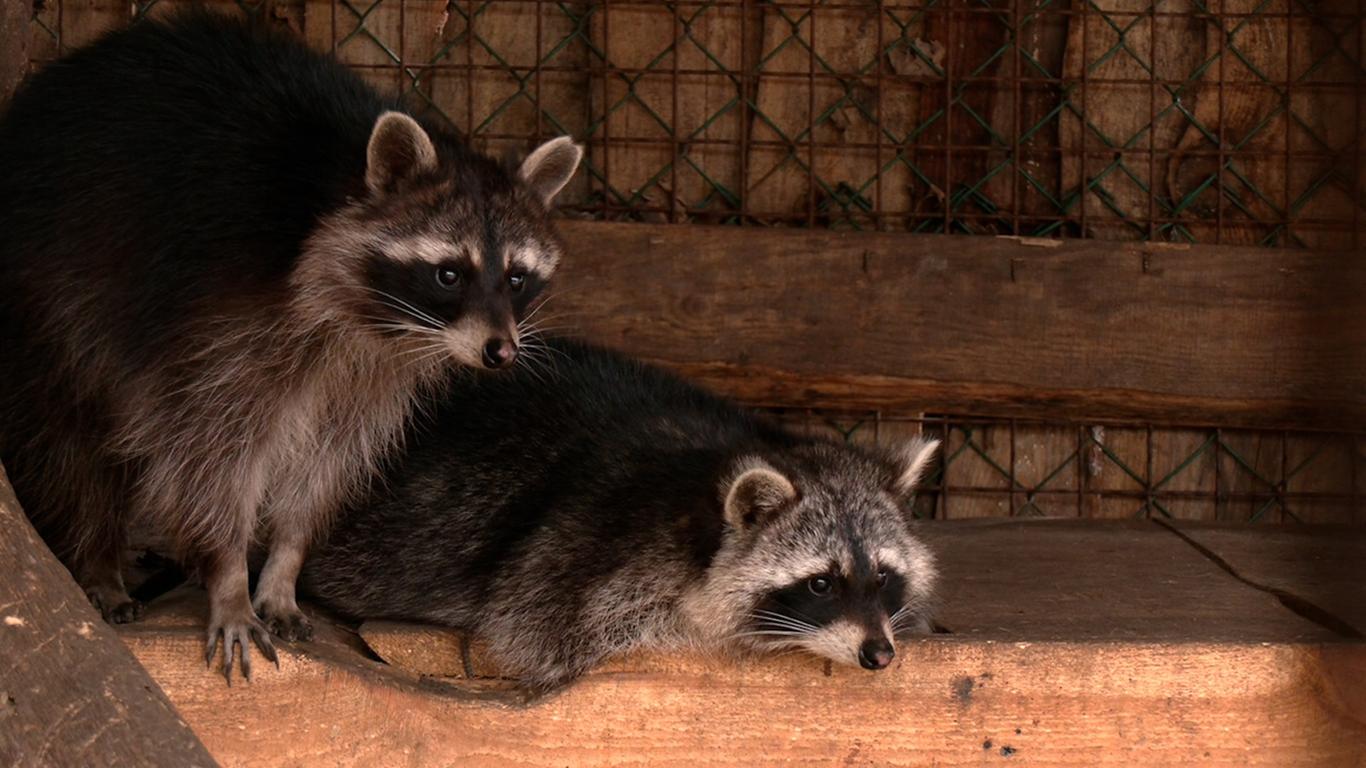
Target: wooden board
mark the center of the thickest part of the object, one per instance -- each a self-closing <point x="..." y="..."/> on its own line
<point x="1324" y="566"/>
<point x="1074" y="644"/>
<point x="70" y="692"/>
<point x="1078" y="329"/>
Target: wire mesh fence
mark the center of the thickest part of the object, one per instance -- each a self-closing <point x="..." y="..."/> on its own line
<point x="1213" y="121"/>
<point x="1024" y="468"/>
<point x="1220" y="121"/>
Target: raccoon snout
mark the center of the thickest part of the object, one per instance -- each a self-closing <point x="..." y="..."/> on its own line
<point x="499" y="353"/>
<point x="876" y="653"/>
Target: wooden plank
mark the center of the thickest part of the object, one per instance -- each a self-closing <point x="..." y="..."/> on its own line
<point x="1076" y="329"/>
<point x="70" y="692"/>
<point x="14" y="39"/>
<point x="1322" y="566"/>
<point x="1074" y="644"/>
<point x="1063" y="581"/>
<point x="1070" y="580"/>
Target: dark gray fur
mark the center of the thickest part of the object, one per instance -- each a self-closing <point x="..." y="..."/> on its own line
<point x="568" y="519"/>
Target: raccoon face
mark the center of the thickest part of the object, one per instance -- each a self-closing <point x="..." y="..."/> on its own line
<point x="450" y="252"/>
<point x="824" y="554"/>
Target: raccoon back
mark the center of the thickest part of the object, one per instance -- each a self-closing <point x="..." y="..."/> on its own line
<point x="171" y="166"/>
<point x="515" y="482"/>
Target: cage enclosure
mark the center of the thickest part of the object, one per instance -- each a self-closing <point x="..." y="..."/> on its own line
<point x="1110" y="252"/>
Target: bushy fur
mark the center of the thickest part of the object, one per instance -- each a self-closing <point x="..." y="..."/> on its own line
<point x="614" y="506"/>
<point x="217" y="253"/>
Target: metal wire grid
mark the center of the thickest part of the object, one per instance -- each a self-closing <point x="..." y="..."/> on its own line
<point x="1226" y="121"/>
<point x="1024" y="468"/>
<point x="535" y="68"/>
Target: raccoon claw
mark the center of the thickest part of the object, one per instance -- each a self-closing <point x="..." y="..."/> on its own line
<point x="238" y="636"/>
<point x="116" y="609"/>
<point x="290" y="627"/>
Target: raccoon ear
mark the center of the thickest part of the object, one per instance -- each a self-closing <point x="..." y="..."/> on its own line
<point x="910" y="464"/>
<point x="756" y="494"/>
<point x="550" y="166"/>
<point x="399" y="149"/>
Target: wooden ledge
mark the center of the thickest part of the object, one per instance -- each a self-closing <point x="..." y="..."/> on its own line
<point x="1073" y="643"/>
<point x="1082" y="329"/>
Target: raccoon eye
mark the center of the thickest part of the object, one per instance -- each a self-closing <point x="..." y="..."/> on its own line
<point x="820" y="585"/>
<point x="882" y="578"/>
<point x="447" y="277"/>
<point x="516" y="281"/>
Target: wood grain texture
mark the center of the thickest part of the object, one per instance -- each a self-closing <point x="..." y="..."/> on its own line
<point x="1324" y="565"/>
<point x="14" y="43"/>
<point x="1074" y="644"/>
<point x="1080" y="329"/>
<point x="70" y="692"/>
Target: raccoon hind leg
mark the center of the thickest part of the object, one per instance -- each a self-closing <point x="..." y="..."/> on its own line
<point x="100" y="574"/>
<point x="80" y="513"/>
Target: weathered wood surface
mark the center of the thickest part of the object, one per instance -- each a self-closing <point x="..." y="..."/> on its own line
<point x="1074" y="581"/>
<point x="1324" y="566"/>
<point x="1112" y="331"/>
<point x="14" y="39"/>
<point x="70" y="692"/>
<point x="1073" y="644"/>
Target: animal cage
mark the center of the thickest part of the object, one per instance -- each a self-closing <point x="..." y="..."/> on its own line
<point x="1174" y="122"/>
<point x="1170" y="189"/>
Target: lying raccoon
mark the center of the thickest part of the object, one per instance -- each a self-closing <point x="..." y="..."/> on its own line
<point x="616" y="507"/>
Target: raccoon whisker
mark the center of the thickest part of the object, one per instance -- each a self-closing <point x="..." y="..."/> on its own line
<point x="391" y="297"/>
<point x="427" y="354"/>
<point x="541" y="333"/>
<point x="540" y="306"/>
<point x="760" y="613"/>
<point x="536" y="342"/>
<point x="534" y="360"/>
<point x="393" y="321"/>
<point x="422" y="354"/>
<point x="773" y="633"/>
<point x="777" y="620"/>
<point x="423" y="322"/>
<point x="768" y="625"/>
<point x="405" y="307"/>
<point x="529" y="363"/>
<point x="798" y="616"/>
<point x="540" y="323"/>
<point x="377" y="324"/>
<point x="544" y="318"/>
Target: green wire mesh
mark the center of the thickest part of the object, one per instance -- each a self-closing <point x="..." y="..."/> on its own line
<point x="1219" y="121"/>
<point x="1021" y="468"/>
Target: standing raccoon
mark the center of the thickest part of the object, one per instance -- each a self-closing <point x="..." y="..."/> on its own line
<point x="230" y="270"/>
<point x="616" y="507"/>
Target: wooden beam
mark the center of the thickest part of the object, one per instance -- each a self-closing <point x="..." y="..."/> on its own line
<point x="1058" y="329"/>
<point x="70" y="692"/>
<point x="1074" y="644"/>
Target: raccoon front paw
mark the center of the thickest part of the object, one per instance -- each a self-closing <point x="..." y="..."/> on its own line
<point x="238" y="632"/>
<point x="289" y="626"/>
<point x="115" y="605"/>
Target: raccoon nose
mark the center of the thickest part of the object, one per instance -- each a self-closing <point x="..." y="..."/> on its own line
<point x="875" y="654"/>
<point x="499" y="353"/>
